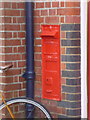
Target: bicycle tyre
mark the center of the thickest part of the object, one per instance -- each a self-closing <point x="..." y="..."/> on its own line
<point x="28" y="101"/>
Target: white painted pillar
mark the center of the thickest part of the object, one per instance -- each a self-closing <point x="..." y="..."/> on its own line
<point x="83" y="58"/>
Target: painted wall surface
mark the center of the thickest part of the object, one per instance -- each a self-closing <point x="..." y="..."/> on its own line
<point x="12" y="50"/>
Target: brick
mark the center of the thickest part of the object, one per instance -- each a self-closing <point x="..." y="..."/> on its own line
<point x="23" y="27"/>
<point x="37" y="56"/>
<point x="22" y="93"/>
<point x="44" y="12"/>
<point x="22" y="13"/>
<point x="12" y="42"/>
<point x="7" y="50"/>
<point x="76" y="112"/>
<point x="67" y="104"/>
<point x="63" y="81"/>
<point x="23" y="42"/>
<point x="7" y="5"/>
<point x="62" y="50"/>
<point x="70" y="27"/>
<point x="37" y="42"/>
<point x="63" y="117"/>
<point x="1" y="4"/>
<point x="15" y="49"/>
<point x="12" y="57"/>
<point x="68" y="11"/>
<point x="73" y="81"/>
<point x="72" y="50"/>
<point x="55" y="4"/>
<point x="38" y="77"/>
<point x="2" y="19"/>
<point x="37" y="27"/>
<point x="62" y="19"/>
<point x="69" y="89"/>
<point x="14" y="20"/>
<point x="70" y="73"/>
<point x="20" y="20"/>
<point x="21" y="79"/>
<point x="63" y="34"/>
<point x="12" y="87"/>
<point x="63" y="111"/>
<point x="37" y="63"/>
<point x="37" y="34"/>
<point x="2" y="35"/>
<point x="14" y="5"/>
<point x="36" y="12"/>
<point x="62" y="4"/>
<point x="23" y="56"/>
<point x="37" y="49"/>
<point x="38" y="92"/>
<point x="21" y="34"/>
<point x="72" y="4"/>
<point x="7" y="35"/>
<point x="52" y="108"/>
<point x="68" y="58"/>
<point x="6" y="79"/>
<point x="10" y="13"/>
<point x="21" y="5"/>
<point x="37" y="85"/>
<point x="52" y="19"/>
<point x="12" y="27"/>
<point x="47" y="4"/>
<point x="70" y="42"/>
<point x="63" y="96"/>
<point x="21" y="49"/>
<point x="21" y="64"/>
<point x="52" y="11"/>
<point x="13" y="72"/>
<point x="38" y="70"/>
<point x="38" y="19"/>
<point x="63" y="66"/>
<point x="73" y="66"/>
<point x="40" y="5"/>
<point x="1" y="27"/>
<point x="73" y="97"/>
<point x="15" y="34"/>
<point x="72" y="19"/>
<point x="1" y="12"/>
<point x="8" y="95"/>
<point x="16" y="108"/>
<point x="72" y="34"/>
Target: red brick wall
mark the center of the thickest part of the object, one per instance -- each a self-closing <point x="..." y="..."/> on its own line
<point x="12" y="46"/>
<point x="12" y="49"/>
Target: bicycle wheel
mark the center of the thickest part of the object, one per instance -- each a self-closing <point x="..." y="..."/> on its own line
<point x="22" y="101"/>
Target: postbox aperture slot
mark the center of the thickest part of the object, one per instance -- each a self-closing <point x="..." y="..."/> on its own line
<point x="48" y="33"/>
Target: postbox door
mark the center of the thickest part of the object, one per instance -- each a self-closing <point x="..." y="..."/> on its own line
<point x="51" y="77"/>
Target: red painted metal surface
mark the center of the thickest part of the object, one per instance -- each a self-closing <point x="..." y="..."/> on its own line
<point x="51" y="78"/>
<point x="89" y="60"/>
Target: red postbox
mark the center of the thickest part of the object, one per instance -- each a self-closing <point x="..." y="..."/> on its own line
<point x="51" y="77"/>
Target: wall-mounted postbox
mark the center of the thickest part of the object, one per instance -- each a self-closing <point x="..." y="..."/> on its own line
<point x="51" y="78"/>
